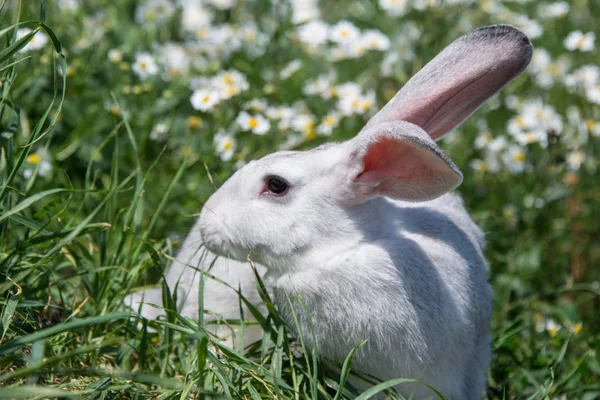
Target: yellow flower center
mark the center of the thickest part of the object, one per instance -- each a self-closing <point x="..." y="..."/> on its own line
<point x="580" y="41"/>
<point x="227" y="145"/>
<point x="205" y="99"/>
<point x="577" y="328"/>
<point x="554" y="69"/>
<point x="344" y="33"/>
<point x="230" y="90"/>
<point x="552" y="330"/>
<point x="530" y="137"/>
<point x="252" y="123"/>
<point x="194" y="122"/>
<point x="202" y="33"/>
<point x="228" y="79"/>
<point x="143" y="65"/>
<point x="590" y="124"/>
<point x="519" y="157"/>
<point x="329" y="120"/>
<point x="34" y="158"/>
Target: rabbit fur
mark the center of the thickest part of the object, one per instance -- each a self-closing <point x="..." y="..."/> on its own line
<point x="367" y="235"/>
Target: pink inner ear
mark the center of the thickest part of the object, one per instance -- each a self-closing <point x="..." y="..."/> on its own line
<point x="391" y="158"/>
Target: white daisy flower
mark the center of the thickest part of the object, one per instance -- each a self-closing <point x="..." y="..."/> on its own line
<point x="205" y="99"/>
<point x="174" y="59"/>
<point x="144" y="65"/>
<point x="322" y="86"/>
<point x="543" y="70"/>
<point x="553" y="10"/>
<point x="574" y="159"/>
<point x="257" y="105"/>
<point x="373" y="39"/>
<point x="230" y="83"/>
<point x="256" y="123"/>
<point x="159" y="132"/>
<point x="115" y="56"/>
<point x="395" y="8"/>
<point x="225" y="145"/>
<point x="38" y="41"/>
<point x="578" y="40"/>
<point x="313" y="34"/>
<point x="548" y="325"/>
<point x="154" y="11"/>
<point x="195" y="17"/>
<point x="479" y="165"/>
<point x="41" y="160"/>
<point x="304" y="11"/>
<point x="328" y="123"/>
<point x="514" y="158"/>
<point x="593" y="94"/>
<point x="305" y="124"/>
<point x="344" y="32"/>
<point x="584" y="77"/>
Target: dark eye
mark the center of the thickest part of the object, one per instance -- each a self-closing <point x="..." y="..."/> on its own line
<point x="277" y="185"/>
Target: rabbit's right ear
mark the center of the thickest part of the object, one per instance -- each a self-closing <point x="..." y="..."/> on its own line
<point x="397" y="160"/>
<point x="456" y="82"/>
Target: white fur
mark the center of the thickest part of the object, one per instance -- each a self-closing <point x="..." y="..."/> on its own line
<point x="407" y="276"/>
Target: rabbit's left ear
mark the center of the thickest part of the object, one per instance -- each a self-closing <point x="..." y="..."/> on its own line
<point x="456" y="82"/>
<point x="399" y="160"/>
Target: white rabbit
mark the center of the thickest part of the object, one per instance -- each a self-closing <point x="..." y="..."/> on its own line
<point x="221" y="299"/>
<point x="365" y="235"/>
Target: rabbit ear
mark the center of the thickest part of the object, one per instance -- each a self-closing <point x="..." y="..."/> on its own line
<point x="456" y="82"/>
<point x="399" y="160"/>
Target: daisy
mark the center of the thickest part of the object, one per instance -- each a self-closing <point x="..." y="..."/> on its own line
<point x="225" y="145"/>
<point x="40" y="160"/>
<point x="328" y="123"/>
<point x="204" y="99"/>
<point x="313" y="34"/>
<point x="38" y="41"/>
<point x="115" y="56"/>
<point x="574" y="159"/>
<point x="395" y="8"/>
<point x="553" y="10"/>
<point x="344" y="32"/>
<point x="514" y="158"/>
<point x="159" y="132"/>
<point x="230" y="83"/>
<point x="578" y="40"/>
<point x="256" y="123"/>
<point x="144" y="65"/>
<point x="373" y="39"/>
<point x="304" y="11"/>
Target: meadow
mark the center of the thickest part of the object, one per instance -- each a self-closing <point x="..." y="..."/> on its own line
<point x="119" y="119"/>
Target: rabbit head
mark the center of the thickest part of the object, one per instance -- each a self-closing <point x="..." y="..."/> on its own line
<point x="284" y="204"/>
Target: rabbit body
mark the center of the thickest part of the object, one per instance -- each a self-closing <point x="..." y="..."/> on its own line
<point x="412" y="283"/>
<point x="361" y="240"/>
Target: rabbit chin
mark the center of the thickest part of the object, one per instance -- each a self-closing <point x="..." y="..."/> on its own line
<point x="217" y="241"/>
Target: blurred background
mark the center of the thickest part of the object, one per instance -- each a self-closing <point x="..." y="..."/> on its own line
<point x="163" y="100"/>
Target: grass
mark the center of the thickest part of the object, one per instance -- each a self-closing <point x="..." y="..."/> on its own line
<point x="105" y="221"/>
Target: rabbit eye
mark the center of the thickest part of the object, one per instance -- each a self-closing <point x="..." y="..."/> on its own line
<point x="277" y="185"/>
